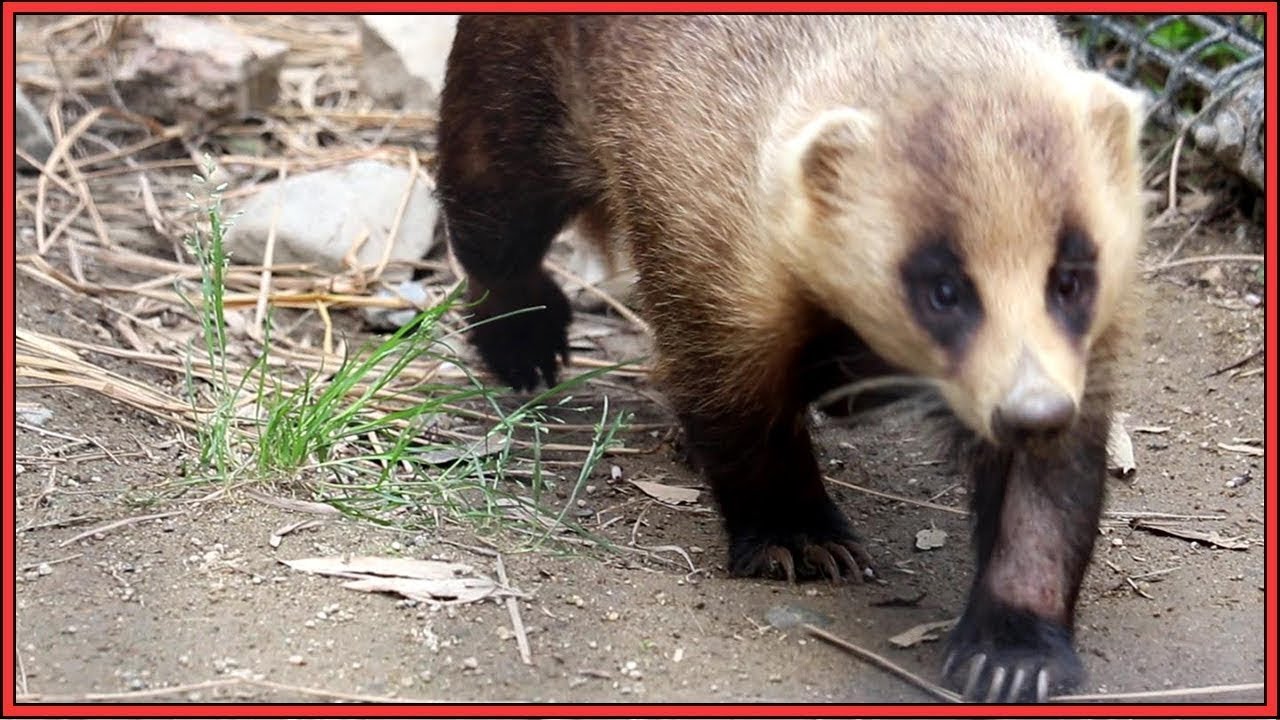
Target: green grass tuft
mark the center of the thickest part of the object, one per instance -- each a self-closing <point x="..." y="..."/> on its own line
<point x="372" y="440"/>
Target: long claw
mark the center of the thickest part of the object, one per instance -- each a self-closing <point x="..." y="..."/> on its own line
<point x="842" y="552"/>
<point x="997" y="684"/>
<point x="948" y="665"/>
<point x="819" y="556"/>
<point x="1015" y="684"/>
<point x="782" y="557"/>
<point x="863" y="559"/>
<point x="1042" y="685"/>
<point x="975" y="673"/>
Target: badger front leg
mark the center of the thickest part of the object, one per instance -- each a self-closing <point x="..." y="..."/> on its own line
<point x="1037" y="513"/>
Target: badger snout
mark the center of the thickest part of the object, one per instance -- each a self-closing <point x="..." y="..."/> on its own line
<point x="1034" y="407"/>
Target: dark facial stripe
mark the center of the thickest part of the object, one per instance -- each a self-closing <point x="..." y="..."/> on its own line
<point x="1071" y="287"/>
<point x="943" y="299"/>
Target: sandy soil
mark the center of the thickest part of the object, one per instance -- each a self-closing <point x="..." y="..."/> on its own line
<point x="201" y="595"/>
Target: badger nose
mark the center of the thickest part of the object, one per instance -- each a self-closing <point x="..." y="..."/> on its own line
<point x="1034" y="406"/>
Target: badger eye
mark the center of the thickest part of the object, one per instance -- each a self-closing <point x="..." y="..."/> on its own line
<point x="944" y="295"/>
<point x="1066" y="284"/>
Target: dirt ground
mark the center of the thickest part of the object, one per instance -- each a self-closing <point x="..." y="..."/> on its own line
<point x="201" y="595"/>
<point x="170" y="609"/>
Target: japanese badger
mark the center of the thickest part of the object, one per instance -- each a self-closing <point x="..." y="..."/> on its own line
<point x="947" y="203"/>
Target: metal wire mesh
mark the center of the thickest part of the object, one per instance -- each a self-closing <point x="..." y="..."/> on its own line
<point x="1207" y="78"/>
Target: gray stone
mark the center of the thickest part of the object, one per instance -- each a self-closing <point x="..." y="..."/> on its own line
<point x="31" y="133"/>
<point x="322" y="215"/>
<point x="403" y="58"/>
<point x="608" y="270"/>
<point x="196" y="70"/>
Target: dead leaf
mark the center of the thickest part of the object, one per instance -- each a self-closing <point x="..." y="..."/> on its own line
<point x="930" y="538"/>
<point x="291" y="504"/>
<point x="1211" y="277"/>
<point x="925" y="632"/>
<point x="388" y="566"/>
<point x="278" y="536"/>
<point x="1213" y="538"/>
<point x="478" y="449"/>
<point x="1246" y="449"/>
<point x="450" y="590"/>
<point x="899" y="601"/>
<point x="668" y="493"/>
<point x="429" y="581"/>
<point x="1120" y="460"/>
<point x="1195" y="201"/>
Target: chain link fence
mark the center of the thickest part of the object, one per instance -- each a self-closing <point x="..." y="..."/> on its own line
<point x="1204" y="75"/>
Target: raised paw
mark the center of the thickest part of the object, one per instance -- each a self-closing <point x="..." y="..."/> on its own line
<point x="1011" y="656"/>
<point x="521" y="331"/>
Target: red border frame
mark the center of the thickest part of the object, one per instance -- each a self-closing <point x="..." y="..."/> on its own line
<point x="7" y="679"/>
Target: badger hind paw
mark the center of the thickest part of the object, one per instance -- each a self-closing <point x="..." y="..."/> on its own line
<point x="833" y="559"/>
<point x="521" y="331"/>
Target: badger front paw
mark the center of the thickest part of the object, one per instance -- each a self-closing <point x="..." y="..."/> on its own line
<point x="999" y="654"/>
<point x="521" y="331"/>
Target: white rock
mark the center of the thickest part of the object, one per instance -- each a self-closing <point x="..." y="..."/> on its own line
<point x="190" y="69"/>
<point x="34" y="414"/>
<point x="322" y="214"/>
<point x="403" y="58"/>
<point x="387" y="319"/>
<point x="31" y="133"/>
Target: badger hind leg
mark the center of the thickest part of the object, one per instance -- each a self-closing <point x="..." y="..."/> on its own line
<point x="757" y="453"/>
<point x="780" y="520"/>
<point x="506" y="185"/>
<point x="1037" y="514"/>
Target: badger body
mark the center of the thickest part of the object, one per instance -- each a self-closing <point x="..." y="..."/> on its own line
<point x="813" y="203"/>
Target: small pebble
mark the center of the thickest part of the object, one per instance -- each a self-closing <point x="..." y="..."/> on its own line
<point x="296" y="660"/>
<point x="470" y="663"/>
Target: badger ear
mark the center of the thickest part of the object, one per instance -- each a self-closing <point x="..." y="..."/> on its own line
<point x="1116" y="116"/>
<point x="827" y="149"/>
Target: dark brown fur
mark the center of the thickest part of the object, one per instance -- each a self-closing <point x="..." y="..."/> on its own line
<point x="653" y="128"/>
